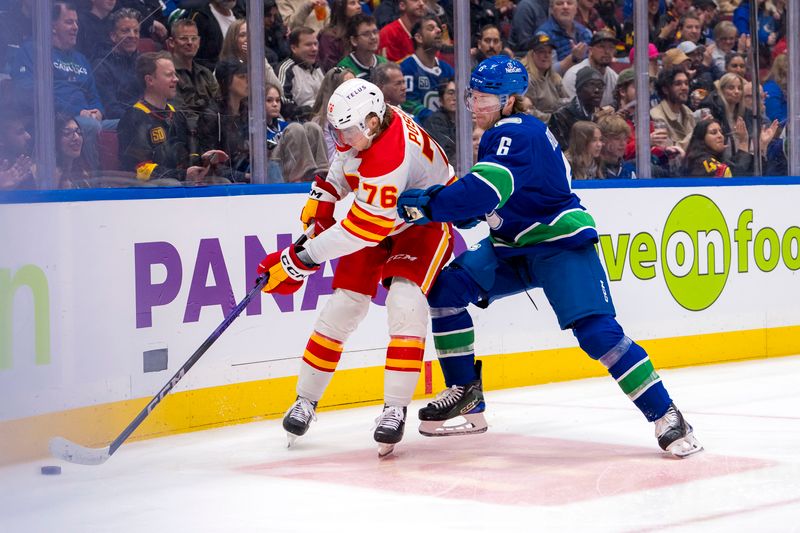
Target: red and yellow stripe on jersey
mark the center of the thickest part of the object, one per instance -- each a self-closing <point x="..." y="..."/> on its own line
<point x="322" y="353"/>
<point x="439" y="259"/>
<point x="405" y="353"/>
<point x="367" y="226"/>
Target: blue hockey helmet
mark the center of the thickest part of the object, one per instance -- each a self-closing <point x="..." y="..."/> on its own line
<point x="500" y="75"/>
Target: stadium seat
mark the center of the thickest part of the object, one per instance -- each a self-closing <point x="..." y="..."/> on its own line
<point x="148" y="45"/>
<point x="108" y="146"/>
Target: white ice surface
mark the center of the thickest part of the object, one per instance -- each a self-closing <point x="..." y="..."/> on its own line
<point x="559" y="457"/>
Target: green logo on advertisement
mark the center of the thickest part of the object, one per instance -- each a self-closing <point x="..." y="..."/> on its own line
<point x="696" y="252"/>
<point x="34" y="279"/>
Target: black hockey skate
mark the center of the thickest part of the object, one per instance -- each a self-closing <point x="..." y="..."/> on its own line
<point x="298" y="418"/>
<point x="674" y="434"/>
<point x="389" y="428"/>
<point x="459" y="402"/>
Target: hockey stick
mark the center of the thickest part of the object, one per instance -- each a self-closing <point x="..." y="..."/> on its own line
<point x="69" y="451"/>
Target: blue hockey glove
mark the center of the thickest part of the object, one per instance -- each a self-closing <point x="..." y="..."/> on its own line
<point x="412" y="205"/>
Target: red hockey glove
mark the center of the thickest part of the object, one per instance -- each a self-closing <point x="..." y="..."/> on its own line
<point x="319" y="207"/>
<point x="286" y="271"/>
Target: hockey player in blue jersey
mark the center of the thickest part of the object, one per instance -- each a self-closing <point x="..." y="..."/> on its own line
<point x="540" y="236"/>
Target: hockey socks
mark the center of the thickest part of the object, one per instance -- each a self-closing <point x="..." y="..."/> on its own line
<point x="630" y="366"/>
<point x="403" y="365"/>
<point x="602" y="338"/>
<point x="454" y="339"/>
<point x="320" y="358"/>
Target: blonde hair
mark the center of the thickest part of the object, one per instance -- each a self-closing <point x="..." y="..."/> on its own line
<point x="614" y="125"/>
<point x="584" y="166"/>
<point x="732" y="111"/>
<point x="779" y="73"/>
<point x="229" y="49"/>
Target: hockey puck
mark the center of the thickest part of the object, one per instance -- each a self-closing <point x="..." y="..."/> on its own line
<point x="51" y="470"/>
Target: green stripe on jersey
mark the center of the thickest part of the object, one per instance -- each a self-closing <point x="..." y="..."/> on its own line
<point x="456" y="342"/>
<point x="497" y="177"/>
<point x="564" y="225"/>
<point x="638" y="379"/>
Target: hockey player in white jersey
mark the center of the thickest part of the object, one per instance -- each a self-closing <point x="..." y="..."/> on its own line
<point x="540" y="236"/>
<point x="382" y="152"/>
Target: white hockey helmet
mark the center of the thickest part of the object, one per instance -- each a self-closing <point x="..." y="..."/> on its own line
<point x="350" y="105"/>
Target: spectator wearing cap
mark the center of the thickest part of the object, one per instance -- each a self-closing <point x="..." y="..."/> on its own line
<point x="601" y="54"/>
<point x="672" y="113"/>
<point x="708" y="11"/>
<point x="545" y="87"/>
<point x="701" y="69"/>
<point x="570" y="39"/>
<point x="675" y="58"/>
<point x="528" y="16"/>
<point x="590" y="86"/>
<point x="625" y="93"/>
<point x="652" y="59"/>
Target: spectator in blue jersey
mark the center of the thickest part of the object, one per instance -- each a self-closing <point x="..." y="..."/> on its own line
<point x="275" y="127"/>
<point x="539" y="236"/>
<point x="570" y="39"/>
<point x="74" y="86"/>
<point x="776" y="88"/>
<point x="423" y="71"/>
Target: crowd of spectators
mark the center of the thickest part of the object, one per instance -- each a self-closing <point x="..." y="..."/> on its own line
<point x="150" y="92"/>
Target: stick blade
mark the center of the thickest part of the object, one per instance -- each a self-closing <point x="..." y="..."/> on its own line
<point x="66" y="450"/>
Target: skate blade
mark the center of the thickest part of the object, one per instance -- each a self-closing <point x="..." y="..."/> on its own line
<point x="291" y="438"/>
<point x="474" y="423"/>
<point x="685" y="447"/>
<point x="384" y="449"/>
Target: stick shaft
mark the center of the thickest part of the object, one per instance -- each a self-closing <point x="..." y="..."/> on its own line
<point x="235" y="312"/>
<point x="144" y="413"/>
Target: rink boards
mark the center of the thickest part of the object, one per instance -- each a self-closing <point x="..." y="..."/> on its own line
<point x="102" y="299"/>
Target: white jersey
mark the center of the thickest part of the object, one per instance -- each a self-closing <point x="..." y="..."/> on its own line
<point x="403" y="157"/>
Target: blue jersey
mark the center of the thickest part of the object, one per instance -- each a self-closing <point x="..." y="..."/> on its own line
<point x="522" y="184"/>
<point x="422" y="86"/>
